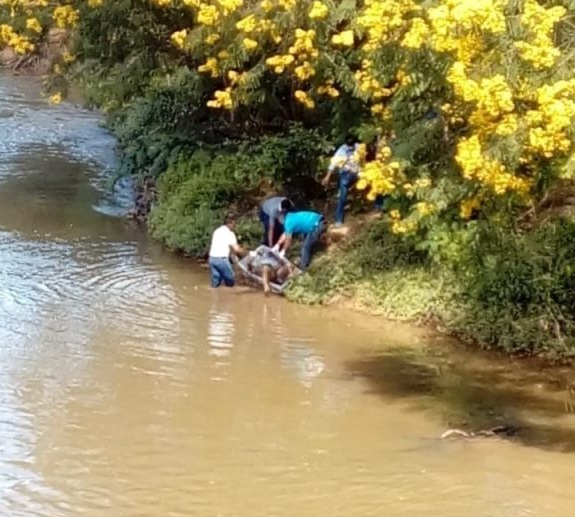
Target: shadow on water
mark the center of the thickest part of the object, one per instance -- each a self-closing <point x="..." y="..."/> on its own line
<point x="473" y="394"/>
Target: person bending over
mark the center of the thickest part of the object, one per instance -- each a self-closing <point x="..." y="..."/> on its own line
<point x="311" y="225"/>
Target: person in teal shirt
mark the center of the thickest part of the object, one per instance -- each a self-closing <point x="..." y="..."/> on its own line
<point x="310" y="225"/>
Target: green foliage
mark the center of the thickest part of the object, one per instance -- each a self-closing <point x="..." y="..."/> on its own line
<point x="199" y="186"/>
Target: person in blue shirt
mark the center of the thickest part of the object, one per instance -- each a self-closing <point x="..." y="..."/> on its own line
<point x="310" y="225"/>
<point x="272" y="212"/>
<point x="346" y="161"/>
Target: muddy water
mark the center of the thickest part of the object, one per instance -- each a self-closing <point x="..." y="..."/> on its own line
<point x="127" y="388"/>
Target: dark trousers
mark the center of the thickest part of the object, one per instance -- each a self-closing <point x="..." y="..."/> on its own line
<point x="278" y="229"/>
<point x="346" y="181"/>
<point x="310" y="240"/>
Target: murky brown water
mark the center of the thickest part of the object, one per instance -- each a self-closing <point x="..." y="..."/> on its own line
<point x="127" y="388"/>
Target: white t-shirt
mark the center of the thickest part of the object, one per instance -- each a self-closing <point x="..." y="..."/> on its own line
<point x="222" y="239"/>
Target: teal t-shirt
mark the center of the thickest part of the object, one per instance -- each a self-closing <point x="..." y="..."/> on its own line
<point x="301" y="222"/>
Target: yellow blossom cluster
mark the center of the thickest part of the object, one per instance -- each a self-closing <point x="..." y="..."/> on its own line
<point x="550" y="124"/>
<point x="20" y="44"/>
<point x="383" y="21"/>
<point x="303" y="98"/>
<point x="459" y="25"/>
<point x="499" y="89"/>
<point x="179" y="38"/>
<point x="65" y="16"/>
<point x="280" y="63"/>
<point x="476" y="165"/>
<point x="468" y="206"/>
<point x="222" y="99"/>
<point x="538" y="23"/>
<point x="328" y="89"/>
<point x="318" y="11"/>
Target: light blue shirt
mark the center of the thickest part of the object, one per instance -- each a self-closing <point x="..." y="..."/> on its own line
<point x="345" y="158"/>
<point x="301" y="222"/>
<point x="271" y="207"/>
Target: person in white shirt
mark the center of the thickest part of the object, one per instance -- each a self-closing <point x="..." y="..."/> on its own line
<point x="224" y="242"/>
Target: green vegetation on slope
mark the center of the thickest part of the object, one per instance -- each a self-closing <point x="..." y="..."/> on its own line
<point x="497" y="289"/>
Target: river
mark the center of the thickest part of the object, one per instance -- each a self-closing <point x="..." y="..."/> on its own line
<point x="128" y="388"/>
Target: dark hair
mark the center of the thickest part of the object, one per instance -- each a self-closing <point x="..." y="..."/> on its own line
<point x="286" y="205"/>
<point x="230" y="218"/>
<point x="350" y="139"/>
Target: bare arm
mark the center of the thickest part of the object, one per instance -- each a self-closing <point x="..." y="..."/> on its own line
<point x="272" y="225"/>
<point x="238" y="250"/>
<point x="327" y="178"/>
<point x="337" y="158"/>
<point x="285" y="242"/>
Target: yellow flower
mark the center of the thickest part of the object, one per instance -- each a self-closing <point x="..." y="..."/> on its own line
<point x="65" y="16"/>
<point x="394" y="214"/>
<point x="344" y="39"/>
<point x="179" y="38"/>
<point x="267" y="5"/>
<point x="318" y="11"/>
<point x="424" y="208"/>
<point x="249" y="43"/>
<point x="422" y="183"/>
<point x="34" y="25"/>
<point x="208" y="15"/>
<point x="212" y="38"/>
<point x="94" y="3"/>
<point x="68" y="58"/>
<point x="304" y="71"/>
<point x="222" y="99"/>
<point x="247" y="24"/>
<point x="56" y="98"/>
<point x="210" y="66"/>
<point x="303" y="98"/>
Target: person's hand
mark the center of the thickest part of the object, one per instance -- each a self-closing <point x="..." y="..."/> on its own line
<point x="276" y="248"/>
<point x="252" y="254"/>
<point x="282" y="253"/>
<point x="325" y="181"/>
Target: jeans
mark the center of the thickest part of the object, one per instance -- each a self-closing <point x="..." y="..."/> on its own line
<point x="309" y="241"/>
<point x="221" y="270"/>
<point x="346" y="180"/>
<point x="278" y="229"/>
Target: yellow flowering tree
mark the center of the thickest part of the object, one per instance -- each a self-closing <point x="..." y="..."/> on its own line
<point x="471" y="102"/>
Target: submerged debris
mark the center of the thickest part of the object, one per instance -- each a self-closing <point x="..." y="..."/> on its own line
<point x="494" y="432"/>
<point x="145" y="197"/>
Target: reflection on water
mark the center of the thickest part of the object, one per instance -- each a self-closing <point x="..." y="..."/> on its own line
<point x="128" y="388"/>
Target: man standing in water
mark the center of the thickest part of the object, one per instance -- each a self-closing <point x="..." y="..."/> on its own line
<point x="311" y="225"/>
<point x="346" y="161"/>
<point x="224" y="242"/>
<point x="272" y="212"/>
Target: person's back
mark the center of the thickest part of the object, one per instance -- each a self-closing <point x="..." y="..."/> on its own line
<point x="272" y="206"/>
<point x="222" y="240"/>
<point x="272" y="212"/>
<point x="301" y="222"/>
